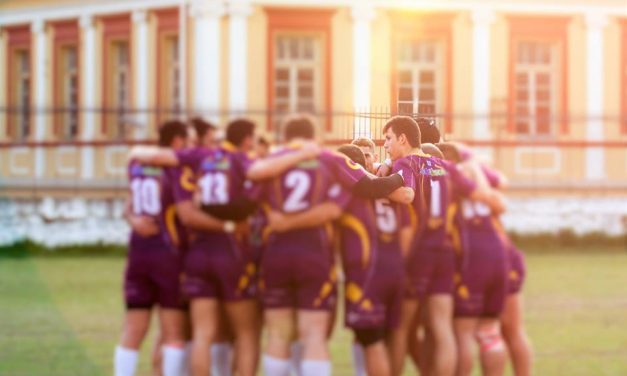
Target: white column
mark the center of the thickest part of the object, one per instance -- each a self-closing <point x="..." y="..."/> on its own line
<point x="88" y="77"/>
<point x="39" y="36"/>
<point x="207" y="14"/>
<point x="595" y="157"/>
<point x="363" y="14"/>
<point x="140" y="73"/>
<point x="482" y="20"/>
<point x="238" y="11"/>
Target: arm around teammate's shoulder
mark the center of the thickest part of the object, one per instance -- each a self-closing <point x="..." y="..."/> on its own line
<point x="273" y="166"/>
<point x="153" y="155"/>
<point x="193" y="217"/>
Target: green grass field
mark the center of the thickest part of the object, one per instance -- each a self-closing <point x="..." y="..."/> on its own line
<point x="62" y="315"/>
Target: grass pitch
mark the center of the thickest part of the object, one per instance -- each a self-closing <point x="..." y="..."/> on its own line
<point x="62" y="315"/>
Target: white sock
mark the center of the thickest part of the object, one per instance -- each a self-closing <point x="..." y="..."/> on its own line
<point x="296" y="355"/>
<point x="316" y="368"/>
<point x="125" y="361"/>
<point x="173" y="361"/>
<point x="275" y="366"/>
<point x="221" y="359"/>
<point x="186" y="361"/>
<point x="359" y="364"/>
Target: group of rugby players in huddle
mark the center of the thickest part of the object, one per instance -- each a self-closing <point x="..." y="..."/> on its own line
<point x="227" y="237"/>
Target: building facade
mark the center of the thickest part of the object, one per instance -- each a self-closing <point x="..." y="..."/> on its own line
<point x="539" y="86"/>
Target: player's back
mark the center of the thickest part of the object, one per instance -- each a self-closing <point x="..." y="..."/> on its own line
<point x="151" y="195"/>
<point x="299" y="188"/>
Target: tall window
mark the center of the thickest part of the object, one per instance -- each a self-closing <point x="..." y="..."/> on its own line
<point x="535" y="85"/>
<point x="297" y="73"/>
<point x="119" y="89"/>
<point x="21" y="95"/>
<point x="68" y="79"/>
<point x="538" y="76"/>
<point x="173" y="72"/>
<point x="420" y="66"/>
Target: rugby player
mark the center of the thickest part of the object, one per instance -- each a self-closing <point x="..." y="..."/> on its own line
<point x="218" y="267"/>
<point x="482" y="287"/>
<point x="511" y="319"/>
<point x="153" y="268"/>
<point x="371" y="258"/>
<point x="432" y="261"/>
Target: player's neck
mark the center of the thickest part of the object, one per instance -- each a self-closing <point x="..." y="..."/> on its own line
<point x="406" y="152"/>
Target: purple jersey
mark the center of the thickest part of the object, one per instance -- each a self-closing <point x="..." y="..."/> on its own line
<point x="213" y="177"/>
<point x="301" y="187"/>
<point x="151" y="190"/>
<point x="435" y="183"/>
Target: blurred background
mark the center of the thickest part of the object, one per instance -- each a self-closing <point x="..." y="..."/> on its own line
<point x="538" y="87"/>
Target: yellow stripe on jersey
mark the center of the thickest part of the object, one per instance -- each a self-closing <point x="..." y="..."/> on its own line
<point x="353" y="292"/>
<point x="356" y="225"/>
<point x="187" y="179"/>
<point x="170" y="224"/>
<point x="452" y="230"/>
<point x="413" y="217"/>
<point x="228" y="146"/>
<point x="351" y="164"/>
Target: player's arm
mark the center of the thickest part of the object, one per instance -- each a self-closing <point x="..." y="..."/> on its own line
<point x="275" y="165"/>
<point x="406" y="237"/>
<point x="389" y="186"/>
<point x="312" y="217"/>
<point x="193" y="217"/>
<point x="236" y="211"/>
<point x="153" y="155"/>
<point x="494" y="199"/>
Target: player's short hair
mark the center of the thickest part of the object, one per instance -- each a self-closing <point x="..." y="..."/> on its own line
<point x="238" y="130"/>
<point x="429" y="132"/>
<point x="432" y="150"/>
<point x="201" y="126"/>
<point x="261" y="140"/>
<point x="401" y="124"/>
<point x="170" y="130"/>
<point x="364" y="142"/>
<point x="354" y="153"/>
<point x="450" y="151"/>
<point x="299" y="126"/>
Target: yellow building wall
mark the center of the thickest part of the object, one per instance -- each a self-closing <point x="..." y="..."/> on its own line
<point x="257" y="96"/>
<point x="3" y="90"/>
<point x="380" y="63"/>
<point x="462" y="81"/>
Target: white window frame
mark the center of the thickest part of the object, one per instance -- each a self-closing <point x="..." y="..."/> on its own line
<point x="437" y="66"/>
<point x="293" y="65"/>
<point x="531" y="70"/>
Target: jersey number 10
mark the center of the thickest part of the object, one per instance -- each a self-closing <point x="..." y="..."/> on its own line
<point x="146" y="196"/>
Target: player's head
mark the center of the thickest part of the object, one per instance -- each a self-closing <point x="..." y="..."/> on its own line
<point x="401" y="136"/>
<point x="299" y="126"/>
<point x="429" y="132"/>
<point x="432" y="150"/>
<point x="354" y="152"/>
<point x="205" y="131"/>
<point x="450" y="151"/>
<point x="173" y="134"/>
<point x="367" y="146"/>
<point x="262" y="148"/>
<point x="241" y="133"/>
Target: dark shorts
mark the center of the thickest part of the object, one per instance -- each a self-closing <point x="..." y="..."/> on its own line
<point x="431" y="271"/>
<point x="373" y="297"/>
<point x="220" y="271"/>
<point x="483" y="284"/>
<point x="153" y="277"/>
<point x="298" y="278"/>
<point x="517" y="270"/>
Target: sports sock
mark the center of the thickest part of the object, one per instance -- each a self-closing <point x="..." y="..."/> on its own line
<point x="125" y="361"/>
<point x="359" y="363"/>
<point x="275" y="366"/>
<point x="221" y="359"/>
<point x="316" y="368"/>
<point x="173" y="360"/>
<point x="296" y="354"/>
